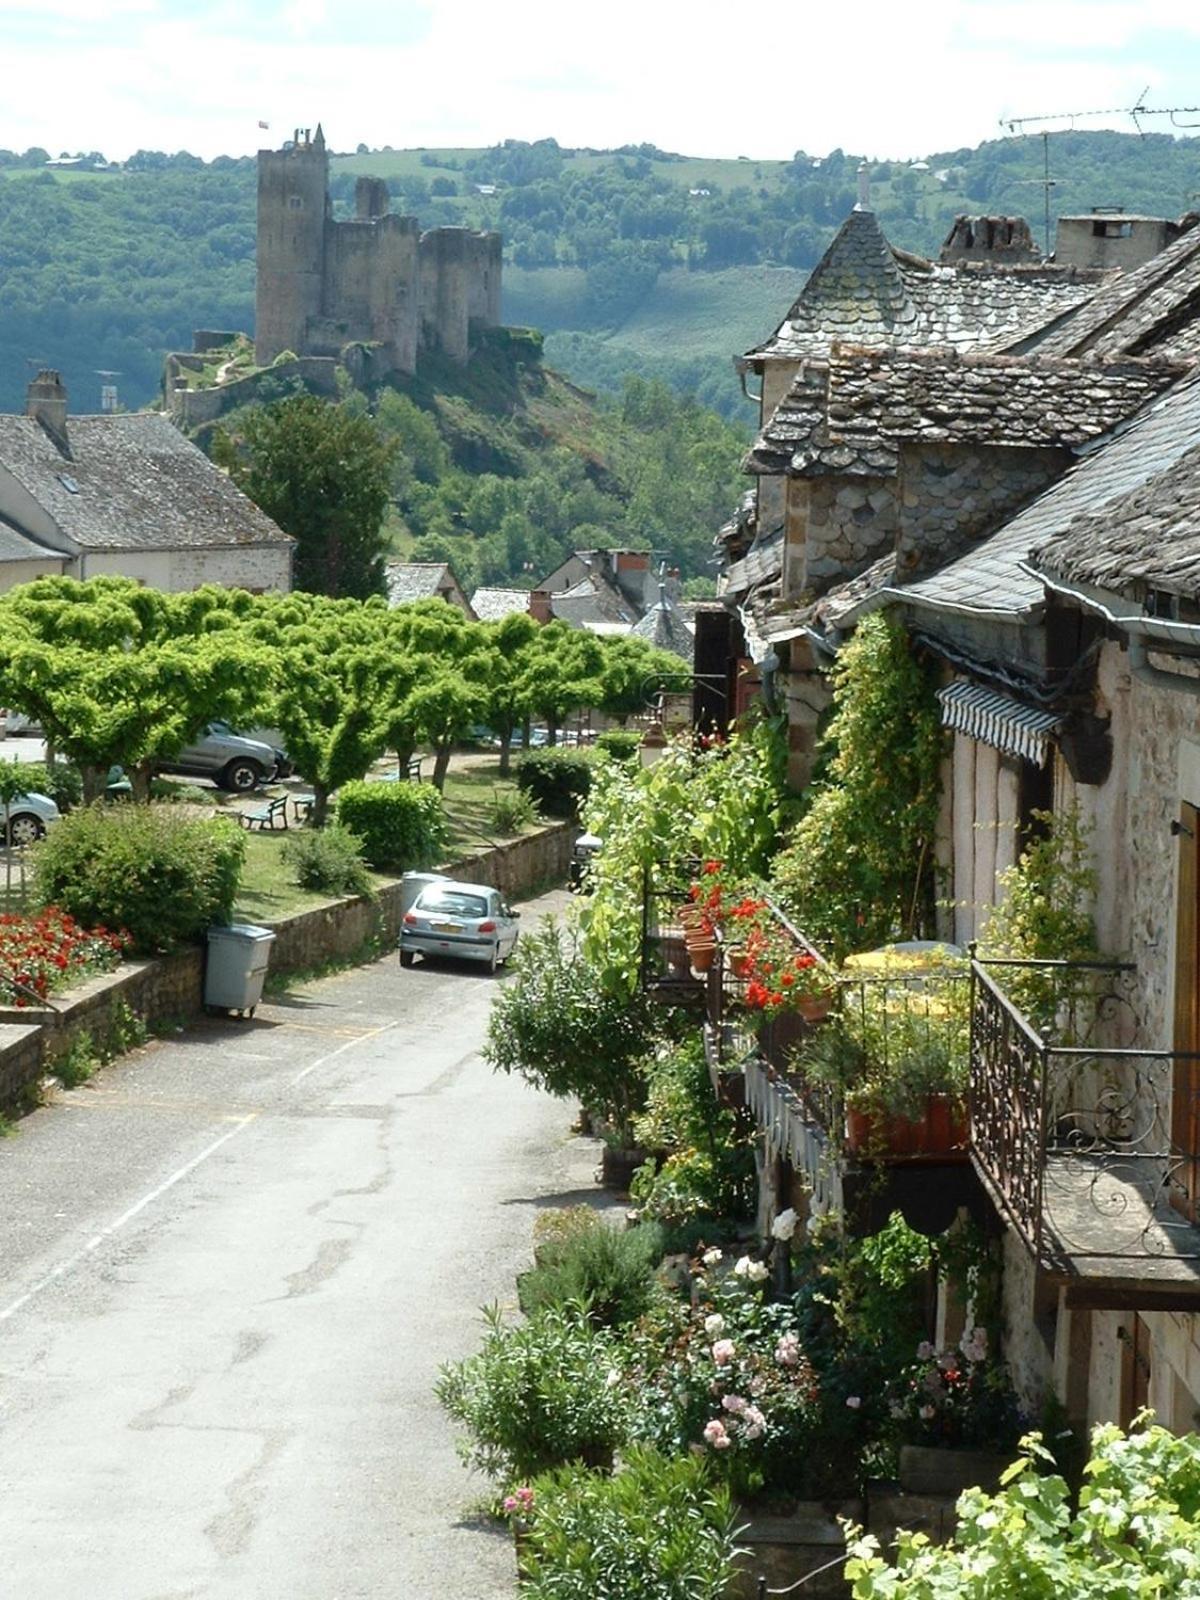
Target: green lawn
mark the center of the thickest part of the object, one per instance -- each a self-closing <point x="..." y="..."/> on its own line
<point x="268" y="890"/>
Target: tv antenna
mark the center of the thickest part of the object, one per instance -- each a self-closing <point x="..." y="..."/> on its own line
<point x="1023" y="126"/>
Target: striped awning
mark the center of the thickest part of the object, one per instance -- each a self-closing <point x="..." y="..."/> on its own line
<point x="992" y="718"/>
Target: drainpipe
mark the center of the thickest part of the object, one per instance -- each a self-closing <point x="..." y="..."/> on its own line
<point x="1142" y="632"/>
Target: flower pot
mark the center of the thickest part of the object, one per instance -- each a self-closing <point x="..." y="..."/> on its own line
<point x="940" y="1132"/>
<point x="702" y="956"/>
<point x="941" y="1469"/>
<point x="814" y="1007"/>
<point x="740" y="964"/>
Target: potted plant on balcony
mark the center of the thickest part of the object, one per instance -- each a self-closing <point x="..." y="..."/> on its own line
<point x="895" y="1054"/>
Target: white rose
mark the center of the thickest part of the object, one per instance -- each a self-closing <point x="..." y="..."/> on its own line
<point x="785" y="1225"/>
<point x="714" y="1325"/>
<point x="711" y="1257"/>
<point x="757" y="1271"/>
<point x="741" y="1267"/>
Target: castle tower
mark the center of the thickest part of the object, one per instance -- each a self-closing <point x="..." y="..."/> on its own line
<point x="445" y="292"/>
<point x="292" y="207"/>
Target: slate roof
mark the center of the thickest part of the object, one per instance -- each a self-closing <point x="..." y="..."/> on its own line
<point x="865" y="292"/>
<point x="663" y="627"/>
<point x="416" y="580"/>
<point x="493" y="605"/>
<point x="852" y="422"/>
<point x="132" y="483"/>
<point x="17" y="546"/>
<point x="1076" y="528"/>
<point x="1152" y="310"/>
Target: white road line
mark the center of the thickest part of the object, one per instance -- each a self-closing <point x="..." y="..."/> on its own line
<point x="358" y="1038"/>
<point x="126" y="1217"/>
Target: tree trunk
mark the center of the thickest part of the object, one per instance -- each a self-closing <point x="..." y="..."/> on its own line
<point x="320" y="806"/>
<point x="404" y="754"/>
<point x="140" y="778"/>
<point x="441" y="765"/>
<point x="525" y="723"/>
<point x="506" y="738"/>
<point x="93" y="783"/>
<point x="551" y="730"/>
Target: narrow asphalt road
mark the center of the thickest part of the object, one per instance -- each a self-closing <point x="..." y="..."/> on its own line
<point x="230" y="1268"/>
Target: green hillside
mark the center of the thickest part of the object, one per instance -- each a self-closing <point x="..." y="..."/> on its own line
<point x="630" y="260"/>
<point x="504" y="466"/>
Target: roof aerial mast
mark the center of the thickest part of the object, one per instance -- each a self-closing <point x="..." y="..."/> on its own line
<point x="1021" y="125"/>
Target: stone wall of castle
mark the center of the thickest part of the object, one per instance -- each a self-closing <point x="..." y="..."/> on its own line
<point x="374" y="279"/>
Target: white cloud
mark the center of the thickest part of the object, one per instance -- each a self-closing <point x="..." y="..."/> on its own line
<point x="881" y="78"/>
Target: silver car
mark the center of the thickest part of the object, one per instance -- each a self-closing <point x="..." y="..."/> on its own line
<point x="29" y="815"/>
<point x="230" y="759"/>
<point x="467" y="920"/>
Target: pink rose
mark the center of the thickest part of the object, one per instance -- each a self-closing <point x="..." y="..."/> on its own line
<point x="734" y="1403"/>
<point x="714" y="1433"/>
<point x="724" y="1351"/>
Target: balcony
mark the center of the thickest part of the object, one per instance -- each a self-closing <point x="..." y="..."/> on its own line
<point x="1073" y="1140"/>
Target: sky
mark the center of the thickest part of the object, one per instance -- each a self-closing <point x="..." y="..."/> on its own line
<point x="875" y="77"/>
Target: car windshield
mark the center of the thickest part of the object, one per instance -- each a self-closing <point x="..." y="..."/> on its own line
<point x="455" y="902"/>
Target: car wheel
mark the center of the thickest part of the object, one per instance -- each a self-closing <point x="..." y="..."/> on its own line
<point x="25" y="829"/>
<point x="241" y="776"/>
<point x="407" y="957"/>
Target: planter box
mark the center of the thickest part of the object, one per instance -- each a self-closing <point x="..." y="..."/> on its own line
<point x="783" y="1549"/>
<point x="927" y="1469"/>
<point x="940" y="1134"/>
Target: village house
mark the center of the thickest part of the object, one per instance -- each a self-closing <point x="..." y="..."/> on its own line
<point x="1016" y="477"/>
<point x="426" y="580"/>
<point x="125" y="495"/>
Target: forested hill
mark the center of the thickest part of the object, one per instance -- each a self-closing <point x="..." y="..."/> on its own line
<point x="630" y="260"/>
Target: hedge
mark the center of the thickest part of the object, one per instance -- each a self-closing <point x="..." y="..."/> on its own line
<point x="402" y="825"/>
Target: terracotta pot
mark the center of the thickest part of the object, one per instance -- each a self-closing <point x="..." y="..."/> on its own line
<point x="814" y="1007"/>
<point x="942" y="1131"/>
<point x="740" y="964"/>
<point x="701" y="955"/>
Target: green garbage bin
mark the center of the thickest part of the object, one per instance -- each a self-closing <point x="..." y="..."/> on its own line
<point x="238" y="958"/>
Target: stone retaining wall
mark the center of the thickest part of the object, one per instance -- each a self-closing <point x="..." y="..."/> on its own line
<point x="171" y="989"/>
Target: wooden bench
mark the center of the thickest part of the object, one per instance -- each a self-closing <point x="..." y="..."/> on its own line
<point x="413" y="771"/>
<point x="265" y="816"/>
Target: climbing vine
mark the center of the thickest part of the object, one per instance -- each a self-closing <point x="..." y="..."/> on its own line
<point x="859" y="869"/>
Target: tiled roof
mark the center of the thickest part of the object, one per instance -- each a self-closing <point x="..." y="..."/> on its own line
<point x="493" y="605"/>
<point x="132" y="483"/>
<point x="17" y="546"/>
<point x="865" y="292"/>
<point x="664" y="627"/>
<point x="852" y="422"/>
<point x="939" y="397"/>
<point x="415" y="580"/>
<point x="1151" y="310"/>
<point x="1075" y="528"/>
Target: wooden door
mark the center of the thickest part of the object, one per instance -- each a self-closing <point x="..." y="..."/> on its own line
<point x="1185" y="1098"/>
<point x="1136" y="1349"/>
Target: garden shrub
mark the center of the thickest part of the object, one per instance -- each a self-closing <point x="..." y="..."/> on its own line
<point x="402" y="825"/>
<point x="657" y="1529"/>
<point x="536" y="1395"/>
<point x="512" y="810"/>
<point x="557" y="781"/>
<point x="559" y="1028"/>
<point x="328" y="860"/>
<point x="155" y="871"/>
<point x="622" y="744"/>
<point x="608" y="1270"/>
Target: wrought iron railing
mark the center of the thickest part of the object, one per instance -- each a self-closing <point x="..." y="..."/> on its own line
<point x="1084" y="1146"/>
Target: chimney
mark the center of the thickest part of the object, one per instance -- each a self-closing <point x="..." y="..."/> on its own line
<point x="539" y="605"/>
<point x="864" y="187"/>
<point x="46" y="403"/>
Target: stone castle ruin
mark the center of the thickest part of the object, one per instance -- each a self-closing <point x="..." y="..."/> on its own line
<point x="374" y="279"/>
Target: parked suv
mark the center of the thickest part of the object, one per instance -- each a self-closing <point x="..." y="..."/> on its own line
<point x="230" y="759"/>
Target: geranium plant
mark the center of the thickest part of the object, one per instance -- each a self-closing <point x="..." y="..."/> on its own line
<point x="47" y="953"/>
